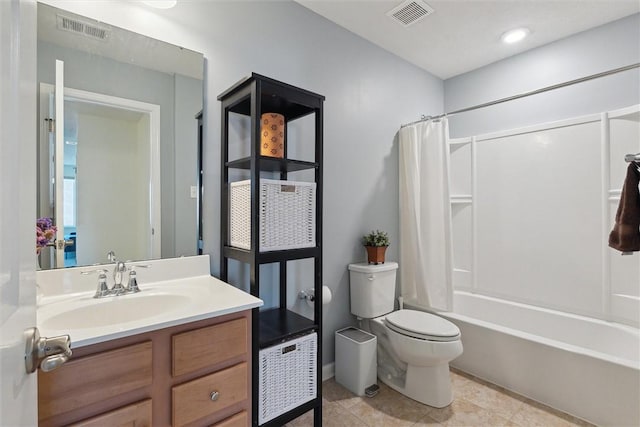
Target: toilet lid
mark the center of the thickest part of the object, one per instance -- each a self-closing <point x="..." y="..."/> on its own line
<point x="418" y="324"/>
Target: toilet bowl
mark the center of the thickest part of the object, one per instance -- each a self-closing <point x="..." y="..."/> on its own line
<point x="414" y="347"/>
<point x="426" y="375"/>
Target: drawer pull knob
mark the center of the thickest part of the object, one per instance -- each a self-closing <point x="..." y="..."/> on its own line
<point x="214" y="395"/>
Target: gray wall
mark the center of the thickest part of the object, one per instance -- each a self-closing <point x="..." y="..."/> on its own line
<point x="369" y="93"/>
<point x="600" y="49"/>
<point x="188" y="102"/>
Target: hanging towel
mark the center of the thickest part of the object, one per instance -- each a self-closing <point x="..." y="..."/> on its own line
<point x="625" y="235"/>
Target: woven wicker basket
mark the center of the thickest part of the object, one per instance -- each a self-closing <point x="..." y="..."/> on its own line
<point x="287" y="215"/>
<point x="287" y="376"/>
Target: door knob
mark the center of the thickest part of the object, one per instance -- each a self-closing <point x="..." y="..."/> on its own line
<point x="61" y="244"/>
<point x="46" y="353"/>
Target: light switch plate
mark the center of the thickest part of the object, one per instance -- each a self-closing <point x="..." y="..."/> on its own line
<point x="194" y="191"/>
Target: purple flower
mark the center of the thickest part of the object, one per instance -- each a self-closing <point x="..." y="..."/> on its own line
<point x="45" y="233"/>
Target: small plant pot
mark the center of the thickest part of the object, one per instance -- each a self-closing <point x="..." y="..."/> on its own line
<point x="375" y="254"/>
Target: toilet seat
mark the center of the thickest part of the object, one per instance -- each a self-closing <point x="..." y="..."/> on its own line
<point x="421" y="325"/>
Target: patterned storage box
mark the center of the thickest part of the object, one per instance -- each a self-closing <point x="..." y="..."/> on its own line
<point x="287" y="376"/>
<point x="287" y="215"/>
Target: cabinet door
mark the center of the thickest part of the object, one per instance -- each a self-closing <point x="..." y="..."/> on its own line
<point x="136" y="415"/>
<point x="240" y="419"/>
<point x="93" y="379"/>
<point x="209" y="394"/>
<point x="205" y="347"/>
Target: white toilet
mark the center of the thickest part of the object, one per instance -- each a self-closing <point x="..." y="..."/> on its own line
<point x="414" y="347"/>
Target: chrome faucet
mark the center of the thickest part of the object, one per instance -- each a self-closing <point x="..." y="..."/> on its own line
<point x="119" y="270"/>
<point x="118" y="274"/>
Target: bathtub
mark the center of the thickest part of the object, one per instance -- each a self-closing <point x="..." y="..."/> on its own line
<point x="586" y="367"/>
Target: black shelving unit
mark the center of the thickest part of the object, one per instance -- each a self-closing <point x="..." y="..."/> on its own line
<point x="253" y="96"/>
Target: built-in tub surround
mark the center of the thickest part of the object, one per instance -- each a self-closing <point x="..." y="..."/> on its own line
<point x="545" y="308"/>
<point x="173" y="292"/>
<point x="586" y="367"/>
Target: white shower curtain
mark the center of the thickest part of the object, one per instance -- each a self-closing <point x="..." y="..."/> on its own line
<point x="426" y="265"/>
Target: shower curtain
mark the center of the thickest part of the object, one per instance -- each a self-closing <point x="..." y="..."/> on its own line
<point x="426" y="254"/>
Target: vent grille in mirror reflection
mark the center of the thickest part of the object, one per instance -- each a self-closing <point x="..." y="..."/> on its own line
<point x="82" y="28"/>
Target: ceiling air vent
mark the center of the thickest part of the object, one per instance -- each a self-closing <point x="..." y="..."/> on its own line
<point x="410" y="12"/>
<point x="82" y="28"/>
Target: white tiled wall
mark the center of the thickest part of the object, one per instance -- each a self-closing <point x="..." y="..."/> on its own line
<point x="532" y="210"/>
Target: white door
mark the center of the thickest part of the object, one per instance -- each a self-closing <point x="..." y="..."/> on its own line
<point x="52" y="165"/>
<point x="18" y="405"/>
<point x="58" y="204"/>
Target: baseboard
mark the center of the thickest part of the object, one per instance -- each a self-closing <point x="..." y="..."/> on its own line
<point x="328" y="371"/>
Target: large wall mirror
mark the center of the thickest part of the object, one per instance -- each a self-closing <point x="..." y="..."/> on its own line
<point x="118" y="150"/>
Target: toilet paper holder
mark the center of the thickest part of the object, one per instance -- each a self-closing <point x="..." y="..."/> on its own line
<point x="310" y="296"/>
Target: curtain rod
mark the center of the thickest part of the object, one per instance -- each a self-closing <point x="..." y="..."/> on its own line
<point x="525" y="94"/>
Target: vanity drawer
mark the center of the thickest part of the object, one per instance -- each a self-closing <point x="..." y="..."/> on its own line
<point x="136" y="415"/>
<point x="241" y="419"/>
<point x="208" y="346"/>
<point x="74" y="384"/>
<point x="192" y="401"/>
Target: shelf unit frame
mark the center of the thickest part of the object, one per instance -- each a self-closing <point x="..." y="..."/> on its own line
<point x="253" y="96"/>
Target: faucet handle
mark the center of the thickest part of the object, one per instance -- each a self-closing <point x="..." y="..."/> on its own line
<point x="133" y="277"/>
<point x="103" y="288"/>
<point x="132" y="286"/>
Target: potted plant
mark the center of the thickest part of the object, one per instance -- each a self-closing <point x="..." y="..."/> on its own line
<point x="376" y="243"/>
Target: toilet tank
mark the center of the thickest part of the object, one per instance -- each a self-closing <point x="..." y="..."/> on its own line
<point x="373" y="289"/>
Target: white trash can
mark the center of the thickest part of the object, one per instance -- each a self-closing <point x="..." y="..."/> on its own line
<point x="356" y="361"/>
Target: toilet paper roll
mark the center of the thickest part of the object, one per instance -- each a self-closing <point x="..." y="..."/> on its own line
<point x="326" y="296"/>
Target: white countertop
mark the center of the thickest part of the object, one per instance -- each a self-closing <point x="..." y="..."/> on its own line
<point x="66" y="306"/>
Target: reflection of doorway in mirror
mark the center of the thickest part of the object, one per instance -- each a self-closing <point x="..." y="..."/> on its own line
<point x="111" y="178"/>
<point x="70" y="220"/>
<point x="112" y="188"/>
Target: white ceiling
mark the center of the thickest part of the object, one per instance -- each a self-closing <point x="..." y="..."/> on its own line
<point x="462" y="35"/>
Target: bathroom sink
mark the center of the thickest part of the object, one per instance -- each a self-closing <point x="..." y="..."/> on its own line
<point x="172" y="292"/>
<point x="85" y="313"/>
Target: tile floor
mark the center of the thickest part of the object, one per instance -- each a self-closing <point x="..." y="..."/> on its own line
<point x="476" y="403"/>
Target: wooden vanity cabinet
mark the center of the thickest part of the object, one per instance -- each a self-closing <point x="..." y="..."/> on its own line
<point x="195" y="374"/>
<point x="135" y="415"/>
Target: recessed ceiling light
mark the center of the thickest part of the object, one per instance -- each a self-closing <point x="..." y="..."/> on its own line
<point x="515" y="35"/>
<point x="160" y="4"/>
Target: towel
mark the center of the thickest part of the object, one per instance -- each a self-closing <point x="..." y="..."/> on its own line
<point x="625" y="235"/>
